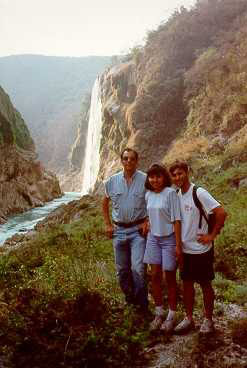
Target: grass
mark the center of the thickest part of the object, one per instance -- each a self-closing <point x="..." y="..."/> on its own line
<point x="231" y="244"/>
<point x="60" y="297"/>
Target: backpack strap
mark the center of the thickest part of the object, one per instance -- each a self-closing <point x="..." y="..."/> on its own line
<point x="199" y="206"/>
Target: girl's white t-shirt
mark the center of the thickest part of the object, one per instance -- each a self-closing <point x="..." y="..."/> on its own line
<point x="163" y="209"/>
<point x="190" y="219"/>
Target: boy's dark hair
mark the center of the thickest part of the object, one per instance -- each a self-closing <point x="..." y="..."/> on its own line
<point x="158" y="169"/>
<point x="179" y="165"/>
<point x="127" y="149"/>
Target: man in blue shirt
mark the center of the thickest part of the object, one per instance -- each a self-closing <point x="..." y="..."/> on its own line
<point x="126" y="191"/>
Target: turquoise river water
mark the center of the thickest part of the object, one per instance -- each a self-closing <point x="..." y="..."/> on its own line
<point x="26" y="221"/>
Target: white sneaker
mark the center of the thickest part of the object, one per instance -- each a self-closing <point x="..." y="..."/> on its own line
<point x="207" y="326"/>
<point x="168" y="325"/>
<point x="156" y="323"/>
<point x="184" y="326"/>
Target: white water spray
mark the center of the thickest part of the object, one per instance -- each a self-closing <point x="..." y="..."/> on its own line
<point x="92" y="156"/>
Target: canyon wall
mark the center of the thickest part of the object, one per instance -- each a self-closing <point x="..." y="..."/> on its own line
<point x="24" y="183"/>
<point x="182" y="95"/>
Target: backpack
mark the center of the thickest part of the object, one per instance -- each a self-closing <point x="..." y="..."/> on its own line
<point x="210" y="219"/>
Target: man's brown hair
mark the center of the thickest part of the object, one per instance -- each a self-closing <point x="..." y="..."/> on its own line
<point x="178" y="165"/>
<point x="127" y="149"/>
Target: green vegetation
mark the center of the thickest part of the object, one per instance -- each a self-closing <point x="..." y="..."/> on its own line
<point x="175" y="46"/>
<point x="60" y="299"/>
<point x="21" y="133"/>
<point x="231" y="245"/>
<point x="13" y="129"/>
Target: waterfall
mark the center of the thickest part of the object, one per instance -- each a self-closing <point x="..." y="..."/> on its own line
<point x="92" y="157"/>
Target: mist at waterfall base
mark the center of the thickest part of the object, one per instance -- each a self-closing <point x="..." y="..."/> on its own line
<point x="92" y="156"/>
<point x="23" y="222"/>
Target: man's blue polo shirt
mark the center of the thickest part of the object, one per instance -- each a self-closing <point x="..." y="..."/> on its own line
<point x="128" y="201"/>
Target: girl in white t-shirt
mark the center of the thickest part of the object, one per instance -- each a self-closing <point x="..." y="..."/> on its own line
<point x="163" y="242"/>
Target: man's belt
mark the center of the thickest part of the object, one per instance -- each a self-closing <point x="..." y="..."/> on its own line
<point x="130" y="224"/>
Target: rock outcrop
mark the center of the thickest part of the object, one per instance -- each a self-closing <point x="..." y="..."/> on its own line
<point x="24" y="183"/>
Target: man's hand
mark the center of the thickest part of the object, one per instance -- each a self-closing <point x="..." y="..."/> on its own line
<point x="144" y="228"/>
<point x="205" y="239"/>
<point x="109" y="231"/>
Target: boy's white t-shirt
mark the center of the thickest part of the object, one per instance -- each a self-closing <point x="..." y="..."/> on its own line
<point x="190" y="219"/>
<point x="163" y="209"/>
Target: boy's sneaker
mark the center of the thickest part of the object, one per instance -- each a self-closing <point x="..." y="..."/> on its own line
<point x="207" y="326"/>
<point x="156" y="323"/>
<point x="168" y="325"/>
<point x="184" y="326"/>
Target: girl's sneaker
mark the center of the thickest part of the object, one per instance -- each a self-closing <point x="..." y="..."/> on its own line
<point x="184" y="326"/>
<point x="156" y="323"/>
<point x="168" y="325"/>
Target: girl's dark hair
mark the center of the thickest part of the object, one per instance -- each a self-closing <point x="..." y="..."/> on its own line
<point x="158" y="169"/>
<point x="179" y="165"/>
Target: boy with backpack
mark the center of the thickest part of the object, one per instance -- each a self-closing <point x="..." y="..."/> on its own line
<point x="202" y="219"/>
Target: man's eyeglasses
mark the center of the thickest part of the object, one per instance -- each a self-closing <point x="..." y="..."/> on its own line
<point x="128" y="159"/>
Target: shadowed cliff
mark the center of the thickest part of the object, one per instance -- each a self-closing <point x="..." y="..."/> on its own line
<point x="24" y="183"/>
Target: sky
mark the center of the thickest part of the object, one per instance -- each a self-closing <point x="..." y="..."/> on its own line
<point x="79" y="27"/>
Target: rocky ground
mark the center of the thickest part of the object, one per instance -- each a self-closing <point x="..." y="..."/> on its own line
<point x="225" y="348"/>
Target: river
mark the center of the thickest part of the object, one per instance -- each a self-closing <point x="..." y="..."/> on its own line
<point x="27" y="220"/>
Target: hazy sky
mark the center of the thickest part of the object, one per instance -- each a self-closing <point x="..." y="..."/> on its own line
<point x="79" y="27"/>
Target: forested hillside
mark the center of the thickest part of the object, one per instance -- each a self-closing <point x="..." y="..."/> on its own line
<point x="13" y="129"/>
<point x="188" y="81"/>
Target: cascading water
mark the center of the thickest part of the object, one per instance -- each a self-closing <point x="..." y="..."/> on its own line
<point x="92" y="156"/>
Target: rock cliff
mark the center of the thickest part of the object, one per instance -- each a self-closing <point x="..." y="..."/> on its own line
<point x="182" y="95"/>
<point x="72" y="179"/>
<point x="24" y="183"/>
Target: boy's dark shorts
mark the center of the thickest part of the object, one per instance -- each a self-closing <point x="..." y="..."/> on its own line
<point x="198" y="267"/>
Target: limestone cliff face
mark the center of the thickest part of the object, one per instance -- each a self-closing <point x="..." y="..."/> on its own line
<point x="130" y="118"/>
<point x="183" y="95"/>
<point x="24" y="183"/>
<point x="121" y="126"/>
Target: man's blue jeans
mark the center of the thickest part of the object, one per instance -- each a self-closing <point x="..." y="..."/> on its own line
<point x="129" y="248"/>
